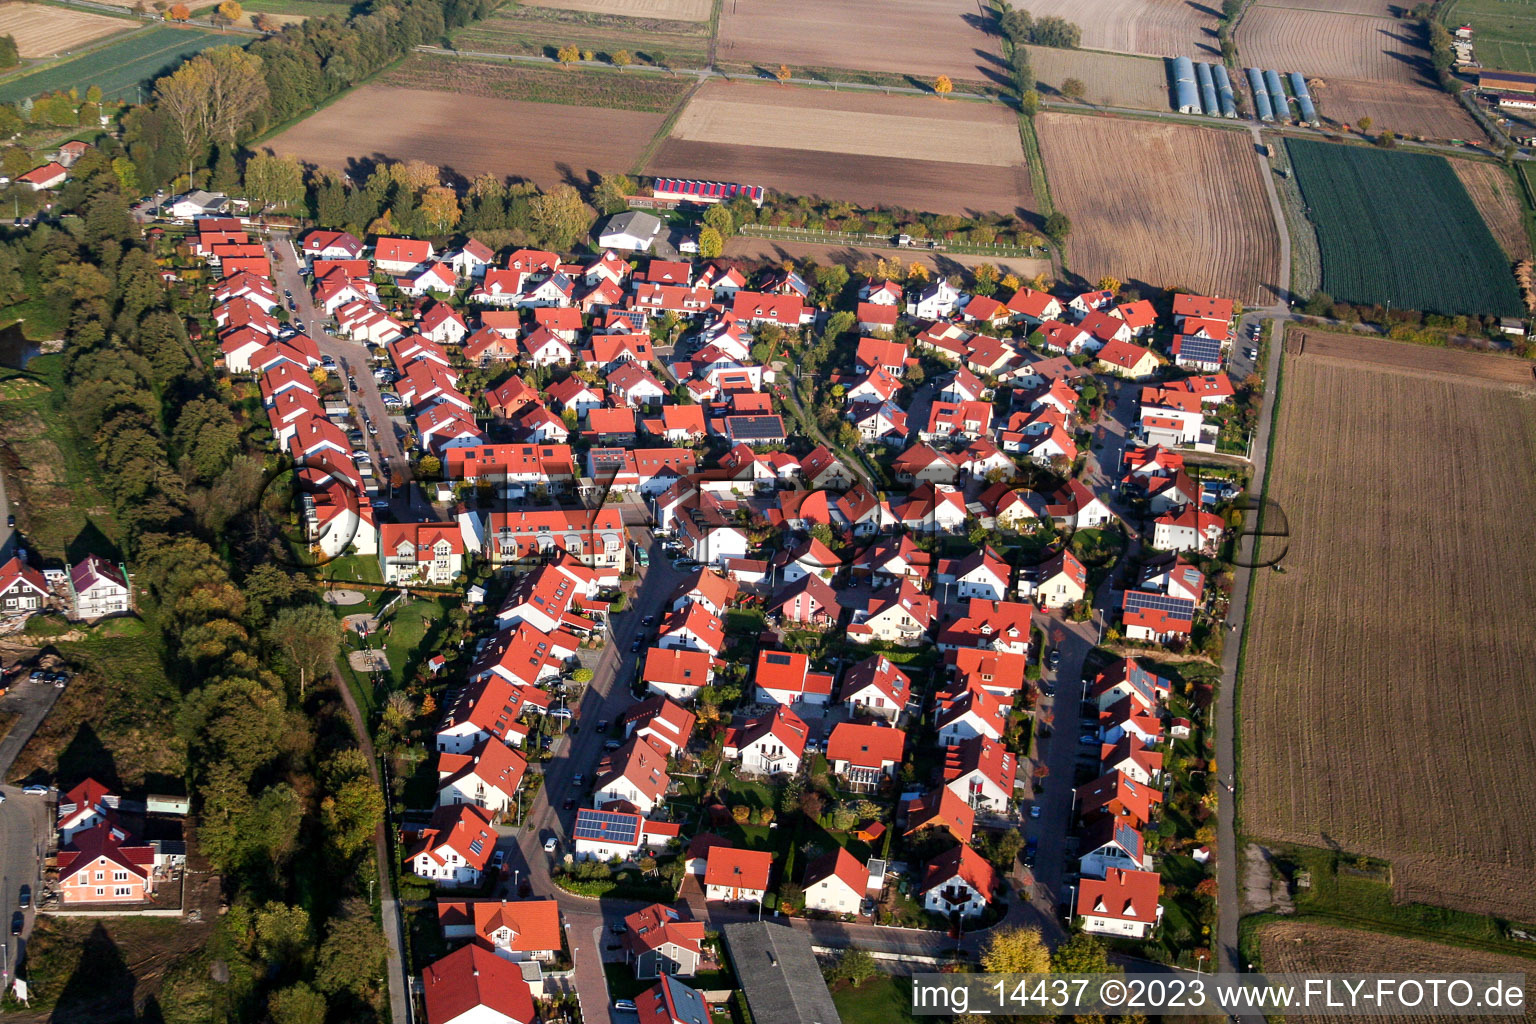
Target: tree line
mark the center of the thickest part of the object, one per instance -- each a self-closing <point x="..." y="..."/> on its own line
<point x="283" y="804"/>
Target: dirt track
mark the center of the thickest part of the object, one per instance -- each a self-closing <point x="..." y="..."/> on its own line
<point x="1162" y="205"/>
<point x="924" y="38"/>
<point x="552" y="143"/>
<point x="1388" y="704"/>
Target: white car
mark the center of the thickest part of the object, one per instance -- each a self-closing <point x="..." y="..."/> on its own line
<point x="551" y="844"/>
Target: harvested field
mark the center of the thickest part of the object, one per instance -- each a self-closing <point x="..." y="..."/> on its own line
<point x="653" y="93"/>
<point x="1157" y="28"/>
<point x="1109" y="79"/>
<point x="1416" y="360"/>
<point x="671" y="10"/>
<point x="1413" y="110"/>
<point x="543" y="30"/>
<point x="42" y="31"/>
<point x="862" y="124"/>
<point x="776" y="250"/>
<point x="1331" y="45"/>
<point x="553" y="144"/>
<point x="923" y="38"/>
<point x="1371" y="8"/>
<point x="1496" y="195"/>
<point x="1383" y="713"/>
<point x="1303" y="947"/>
<point x="933" y="186"/>
<point x="1189" y="205"/>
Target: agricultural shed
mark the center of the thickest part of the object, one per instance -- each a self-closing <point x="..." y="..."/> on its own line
<point x="1207" y="88"/>
<point x="1277" y="95"/>
<point x="1224" y="90"/>
<point x="1303" y="97"/>
<point x="1260" y="95"/>
<point x="1185" y="97"/>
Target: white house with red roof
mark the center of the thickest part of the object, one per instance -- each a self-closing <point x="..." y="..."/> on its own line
<point x="940" y="808"/>
<point x="1129" y="756"/>
<point x="661" y="720"/>
<point x="1123" y="903"/>
<point x="397" y="257"/>
<point x="836" y="883"/>
<point x="23" y="588"/>
<point x="87" y="805"/>
<point x="331" y="245"/>
<point x="1191" y="529"/>
<point x="899" y="614"/>
<point x="438" y="278"/>
<point x="771" y="744"/>
<point x="470" y="259"/>
<point x="635" y="775"/>
<point x="875" y="686"/>
<point x="50" y="175"/>
<point x="1000" y="673"/>
<point x="1126" y="678"/>
<point x="1034" y="307"/>
<point x="990" y="625"/>
<point x="487" y="777"/>
<point x="473" y="985"/>
<point x="519" y="931"/>
<point x="454" y="847"/>
<point x="863" y="755"/>
<point x="981" y="772"/>
<point x="1112" y="844"/>
<point x="1170" y="416"/>
<point x="97" y="588"/>
<point x="970" y="713"/>
<point x="982" y="573"/>
<point x="604" y="835"/>
<point x="785" y="677"/>
<point x="1126" y="359"/>
<point x="429" y="551"/>
<point x="958" y="881"/>
<point x="677" y="672"/>
<point x="694" y="628"/>
<point x="1057" y="582"/>
<point x="736" y="876"/>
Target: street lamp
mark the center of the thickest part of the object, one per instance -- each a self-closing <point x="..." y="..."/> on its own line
<point x="1200" y="964"/>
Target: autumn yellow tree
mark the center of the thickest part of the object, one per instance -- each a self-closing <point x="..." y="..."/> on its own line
<point x="231" y="11"/>
<point x="1015" y="951"/>
<point x="943" y="86"/>
<point x="1010" y="283"/>
<point x="620" y="59"/>
<point x="439" y="209"/>
<point x="782" y="74"/>
<point x="916" y="272"/>
<point x="1109" y="284"/>
<point x="178" y="12"/>
<point x="567" y="54"/>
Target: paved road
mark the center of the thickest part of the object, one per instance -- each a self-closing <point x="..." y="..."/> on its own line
<point x="351" y="357"/>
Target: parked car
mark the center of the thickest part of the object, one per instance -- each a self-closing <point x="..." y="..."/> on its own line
<point x="1054" y="659"/>
<point x="38" y="675"/>
<point x="25" y="899"/>
<point x="570" y="802"/>
<point x="1088" y="740"/>
<point x="352" y="386"/>
<point x="602" y="726"/>
<point x="10" y="522"/>
<point x="578" y="779"/>
<point x="612" y="745"/>
<point x="498" y="859"/>
<point x="35" y="790"/>
<point x="1034" y="810"/>
<point x="18" y="921"/>
<point x="551" y="844"/>
<point x="624" y="1004"/>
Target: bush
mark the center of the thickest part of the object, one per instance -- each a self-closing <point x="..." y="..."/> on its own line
<point x="741" y="813"/>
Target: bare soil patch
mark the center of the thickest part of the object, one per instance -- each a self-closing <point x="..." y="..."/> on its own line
<point x="1331" y="44"/>
<point x="933" y="186"/>
<point x="861" y="124"/>
<point x="745" y="247"/>
<point x="671" y="10"/>
<point x="924" y="38"/>
<point x="552" y="144"/>
<point x="1158" y="28"/>
<point x="1497" y="196"/>
<point x="1109" y="79"/>
<point x="1162" y="204"/>
<point x="1388" y="703"/>
<point x="1304" y="947"/>
<point x="1413" y="110"/>
<point x="42" y="31"/>
<point x="1417" y="360"/>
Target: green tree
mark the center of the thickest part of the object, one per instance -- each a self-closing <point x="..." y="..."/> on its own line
<point x="1029" y="102"/>
<point x="297" y="1004"/>
<point x="855" y="966"/>
<point x="10" y="56"/>
<point x="351" y="959"/>
<point x="1081" y="954"/>
<point x="720" y="218"/>
<point x="353" y="807"/>
<point x="1058" y="226"/>
<point x="1230" y="8"/>
<point x="1073" y="89"/>
<point x="612" y="193"/>
<point x="711" y="244"/>
<point x="1015" y="951"/>
<point x="309" y="637"/>
<point x="282" y="935"/>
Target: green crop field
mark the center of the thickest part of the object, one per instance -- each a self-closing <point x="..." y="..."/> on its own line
<point x="1504" y="31"/>
<point x="120" y="67"/>
<point x="1399" y="228"/>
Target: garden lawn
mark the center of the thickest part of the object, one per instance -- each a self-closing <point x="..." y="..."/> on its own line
<point x="883" y="999"/>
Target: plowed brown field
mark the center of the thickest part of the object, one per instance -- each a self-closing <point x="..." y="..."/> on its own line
<point x="1415" y="110"/>
<point x="1388" y="705"/>
<point x="1158" y="28"/>
<point x="1497" y="197"/>
<point x="1329" y="44"/>
<point x="553" y="143"/>
<point x="1109" y="79"/>
<point x="1160" y="204"/>
<point x="1301" y="947"/>
<point x="924" y="38"/>
<point x="42" y="31"/>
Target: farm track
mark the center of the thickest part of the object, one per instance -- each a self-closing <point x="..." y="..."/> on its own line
<point x="1203" y="223"/>
<point x="1388" y="708"/>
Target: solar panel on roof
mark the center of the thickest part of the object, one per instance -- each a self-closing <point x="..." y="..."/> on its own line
<point x="1205" y="350"/>
<point x="1141" y="600"/>
<point x="1125" y="837"/>
<point x="611" y="826"/>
